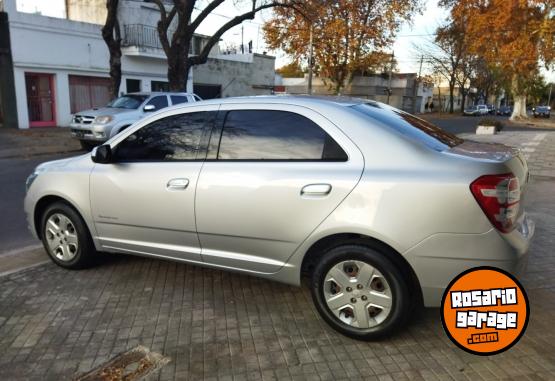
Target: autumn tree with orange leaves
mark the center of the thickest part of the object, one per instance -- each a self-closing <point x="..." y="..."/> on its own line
<point x="512" y="36"/>
<point x="349" y="35"/>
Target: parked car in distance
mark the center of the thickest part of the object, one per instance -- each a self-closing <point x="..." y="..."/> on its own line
<point x="541" y="111"/>
<point x="491" y="109"/>
<point x="505" y="110"/>
<point x="476" y="110"/>
<point x="95" y="126"/>
<point x="378" y="208"/>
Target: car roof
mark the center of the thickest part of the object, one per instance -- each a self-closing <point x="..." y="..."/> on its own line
<point x="306" y="100"/>
<point x="158" y="93"/>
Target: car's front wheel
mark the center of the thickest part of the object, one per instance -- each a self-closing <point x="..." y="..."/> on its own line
<point x="66" y="238"/>
<point x="360" y="293"/>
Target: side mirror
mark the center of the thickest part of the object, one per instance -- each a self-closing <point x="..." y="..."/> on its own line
<point x="149" y="108"/>
<point x="102" y="154"/>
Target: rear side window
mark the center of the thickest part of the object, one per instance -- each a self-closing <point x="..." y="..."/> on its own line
<point x="275" y="135"/>
<point x="159" y="102"/>
<point x="177" y="99"/>
<point x="174" y="138"/>
<point x="409" y="125"/>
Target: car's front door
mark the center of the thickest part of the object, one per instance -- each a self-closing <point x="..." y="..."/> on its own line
<point x="143" y="202"/>
<point x="275" y="174"/>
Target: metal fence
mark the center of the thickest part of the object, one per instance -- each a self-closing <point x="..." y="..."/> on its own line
<point x="143" y="36"/>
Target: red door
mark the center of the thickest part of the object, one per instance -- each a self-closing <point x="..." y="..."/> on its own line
<point x="40" y="99"/>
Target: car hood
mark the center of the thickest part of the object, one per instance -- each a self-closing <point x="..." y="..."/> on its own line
<point x="57" y="164"/>
<point x="106" y="111"/>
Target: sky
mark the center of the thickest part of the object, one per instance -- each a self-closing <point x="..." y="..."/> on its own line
<point x="417" y="32"/>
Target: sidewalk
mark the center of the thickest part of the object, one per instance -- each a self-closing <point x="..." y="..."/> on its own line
<point x="36" y="141"/>
<point x="538" y="148"/>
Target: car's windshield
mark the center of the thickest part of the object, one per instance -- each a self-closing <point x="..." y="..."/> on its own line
<point x="409" y="125"/>
<point x="128" y="101"/>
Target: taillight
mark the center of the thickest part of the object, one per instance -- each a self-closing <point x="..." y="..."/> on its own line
<point x="499" y="198"/>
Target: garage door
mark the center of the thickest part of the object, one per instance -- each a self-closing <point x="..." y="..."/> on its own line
<point x="88" y="92"/>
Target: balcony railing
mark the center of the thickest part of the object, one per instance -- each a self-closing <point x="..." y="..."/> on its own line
<point x="146" y="37"/>
<point x="142" y="36"/>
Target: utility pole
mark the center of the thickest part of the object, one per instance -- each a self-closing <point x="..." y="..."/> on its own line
<point x="389" y="82"/>
<point x="242" y="40"/>
<point x="416" y="85"/>
<point x="310" y="61"/>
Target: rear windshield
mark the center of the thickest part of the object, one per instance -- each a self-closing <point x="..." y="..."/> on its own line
<point x="409" y="125"/>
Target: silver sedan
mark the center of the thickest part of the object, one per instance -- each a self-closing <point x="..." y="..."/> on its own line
<point x="377" y="208"/>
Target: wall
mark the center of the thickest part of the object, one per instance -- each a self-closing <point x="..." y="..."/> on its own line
<point x="91" y="11"/>
<point x="253" y="75"/>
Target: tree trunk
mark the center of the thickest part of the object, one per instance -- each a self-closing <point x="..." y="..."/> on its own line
<point x="115" y="69"/>
<point x="112" y="37"/>
<point x="178" y="73"/>
<point x="463" y="101"/>
<point x="519" y="96"/>
<point x="519" y="109"/>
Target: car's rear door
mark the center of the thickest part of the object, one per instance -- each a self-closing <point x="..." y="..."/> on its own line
<point x="143" y="202"/>
<point x="272" y="175"/>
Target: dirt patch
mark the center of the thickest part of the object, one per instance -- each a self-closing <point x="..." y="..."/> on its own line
<point x="128" y="366"/>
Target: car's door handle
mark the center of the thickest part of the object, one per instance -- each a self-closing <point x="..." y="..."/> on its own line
<point x="177" y="184"/>
<point x="316" y="190"/>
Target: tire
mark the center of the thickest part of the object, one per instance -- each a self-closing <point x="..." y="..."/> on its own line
<point x="385" y="286"/>
<point x="66" y="238"/>
<point x="87" y="146"/>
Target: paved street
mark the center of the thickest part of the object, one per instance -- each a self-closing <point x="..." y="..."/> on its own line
<point x="13" y="226"/>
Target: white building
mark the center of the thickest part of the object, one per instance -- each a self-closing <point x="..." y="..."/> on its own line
<point x="52" y="67"/>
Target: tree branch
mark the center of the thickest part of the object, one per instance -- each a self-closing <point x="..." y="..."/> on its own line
<point x="237" y="20"/>
<point x="205" y="12"/>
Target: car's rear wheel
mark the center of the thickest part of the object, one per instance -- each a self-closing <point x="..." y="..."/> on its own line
<point x="360" y="293"/>
<point x="66" y="238"/>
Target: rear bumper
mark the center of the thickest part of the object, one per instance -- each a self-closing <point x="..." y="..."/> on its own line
<point x="441" y="257"/>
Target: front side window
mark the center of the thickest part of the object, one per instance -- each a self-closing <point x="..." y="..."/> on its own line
<point x="174" y="138"/>
<point x="275" y="135"/>
<point x="159" y="102"/>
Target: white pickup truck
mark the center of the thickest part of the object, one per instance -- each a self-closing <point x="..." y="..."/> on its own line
<point x="95" y="126"/>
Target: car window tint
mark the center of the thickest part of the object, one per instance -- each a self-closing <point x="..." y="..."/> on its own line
<point x="275" y="135"/>
<point x="177" y="99"/>
<point x="159" y="102"/>
<point x="409" y="125"/>
<point x="173" y="138"/>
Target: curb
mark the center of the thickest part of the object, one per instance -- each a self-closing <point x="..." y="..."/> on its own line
<point x="36" y="154"/>
<point x="27" y="256"/>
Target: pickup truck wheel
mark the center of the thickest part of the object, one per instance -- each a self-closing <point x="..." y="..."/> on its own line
<point x="360" y="293"/>
<point x="66" y="238"/>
